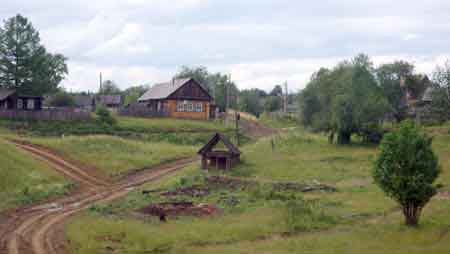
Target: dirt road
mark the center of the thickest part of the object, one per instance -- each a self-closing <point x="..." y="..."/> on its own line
<point x="40" y="229"/>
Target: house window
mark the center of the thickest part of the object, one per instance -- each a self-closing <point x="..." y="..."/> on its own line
<point x="20" y="104"/>
<point x="30" y="104"/>
<point x="199" y="107"/>
<point x="180" y="106"/>
<point x="186" y="106"/>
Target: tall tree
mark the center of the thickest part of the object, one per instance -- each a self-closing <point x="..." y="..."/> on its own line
<point x="441" y="76"/>
<point x="109" y="87"/>
<point x="250" y="101"/>
<point x="133" y="93"/>
<point x="25" y="64"/>
<point x="277" y="91"/>
<point x="345" y="100"/>
<point x="389" y="77"/>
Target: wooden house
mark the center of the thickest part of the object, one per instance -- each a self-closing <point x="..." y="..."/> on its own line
<point x="84" y="102"/>
<point x="180" y="98"/>
<point x="10" y="100"/>
<point x="110" y="101"/>
<point x="224" y="157"/>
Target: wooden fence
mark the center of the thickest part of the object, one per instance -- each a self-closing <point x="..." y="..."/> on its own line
<point x="60" y="114"/>
<point x="141" y="111"/>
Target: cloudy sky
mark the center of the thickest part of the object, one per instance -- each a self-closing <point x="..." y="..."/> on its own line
<point x="260" y="42"/>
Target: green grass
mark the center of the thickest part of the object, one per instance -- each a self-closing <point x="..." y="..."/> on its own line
<point x="278" y="122"/>
<point x="386" y="235"/>
<point x="115" y="156"/>
<point x="358" y="218"/>
<point x="175" y="131"/>
<point x="24" y="180"/>
<point x="169" y="125"/>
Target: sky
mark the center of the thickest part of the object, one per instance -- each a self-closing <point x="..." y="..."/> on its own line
<point x="261" y="43"/>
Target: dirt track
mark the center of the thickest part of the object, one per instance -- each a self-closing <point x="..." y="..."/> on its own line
<point x="40" y="229"/>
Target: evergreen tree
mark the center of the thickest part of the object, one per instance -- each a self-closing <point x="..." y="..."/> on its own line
<point x="25" y="64"/>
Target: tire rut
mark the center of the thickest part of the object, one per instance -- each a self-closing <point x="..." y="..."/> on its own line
<point x="35" y="229"/>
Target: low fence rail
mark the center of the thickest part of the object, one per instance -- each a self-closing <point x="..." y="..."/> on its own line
<point x="62" y="114"/>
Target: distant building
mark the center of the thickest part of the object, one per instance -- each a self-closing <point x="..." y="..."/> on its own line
<point x="109" y="101"/>
<point x="180" y="98"/>
<point x="417" y="103"/>
<point x="10" y="100"/>
<point x="85" y="102"/>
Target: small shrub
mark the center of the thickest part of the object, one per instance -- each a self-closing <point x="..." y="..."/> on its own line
<point x="62" y="99"/>
<point x="406" y="169"/>
<point x="104" y="116"/>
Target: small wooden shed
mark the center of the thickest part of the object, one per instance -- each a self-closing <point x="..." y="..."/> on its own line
<point x="224" y="157"/>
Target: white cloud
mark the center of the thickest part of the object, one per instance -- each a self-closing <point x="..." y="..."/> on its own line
<point x="260" y="42"/>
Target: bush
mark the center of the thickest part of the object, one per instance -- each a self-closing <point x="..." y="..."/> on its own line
<point x="104" y="116"/>
<point x="62" y="99"/>
<point x="406" y="169"/>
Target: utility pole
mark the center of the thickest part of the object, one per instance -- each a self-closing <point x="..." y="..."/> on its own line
<point x="285" y="97"/>
<point x="227" y="97"/>
<point x="101" y="83"/>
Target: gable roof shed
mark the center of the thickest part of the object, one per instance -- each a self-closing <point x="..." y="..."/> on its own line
<point x="215" y="140"/>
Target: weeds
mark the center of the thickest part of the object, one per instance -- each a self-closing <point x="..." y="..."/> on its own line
<point x="305" y="215"/>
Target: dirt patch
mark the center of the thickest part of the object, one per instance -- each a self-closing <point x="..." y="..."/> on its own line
<point x="302" y="187"/>
<point x="214" y="183"/>
<point x="256" y="130"/>
<point x="177" y="209"/>
<point x="192" y="191"/>
<point x="444" y="195"/>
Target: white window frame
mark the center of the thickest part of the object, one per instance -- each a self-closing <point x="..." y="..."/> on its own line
<point x="199" y="107"/>
<point x="189" y="106"/>
<point x="30" y="104"/>
<point x="19" y="103"/>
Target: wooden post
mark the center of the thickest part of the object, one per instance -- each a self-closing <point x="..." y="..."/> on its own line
<point x="204" y="162"/>
<point x="238" y="118"/>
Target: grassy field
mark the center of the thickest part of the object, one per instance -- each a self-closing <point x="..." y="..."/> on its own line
<point x="24" y="180"/>
<point x="184" y="132"/>
<point x="115" y="156"/>
<point x="357" y="218"/>
<point x="169" y="125"/>
<point x="278" y="122"/>
<point x="261" y="219"/>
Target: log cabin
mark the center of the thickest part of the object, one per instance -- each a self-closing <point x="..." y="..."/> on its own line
<point x="10" y="100"/>
<point x="180" y="98"/>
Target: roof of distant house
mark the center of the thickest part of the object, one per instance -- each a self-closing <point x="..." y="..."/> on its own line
<point x="110" y="99"/>
<point x="5" y="93"/>
<point x="163" y="90"/>
<point x="428" y="94"/>
<point x="83" y="100"/>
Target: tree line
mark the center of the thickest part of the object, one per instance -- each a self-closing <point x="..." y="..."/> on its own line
<point x="354" y="97"/>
